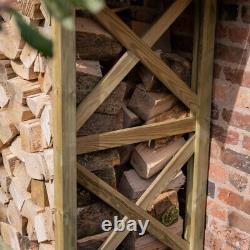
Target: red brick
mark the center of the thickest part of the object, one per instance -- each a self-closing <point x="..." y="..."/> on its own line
<point x="229" y="197"/>
<point x="236" y="160"/>
<point x="217" y="70"/>
<point x="238" y="181"/>
<point x="242" y="98"/>
<point x="215" y="112"/>
<point x="246" y="142"/>
<point x="221" y="30"/>
<point x="237" y="76"/>
<point x="216" y="210"/>
<point x="237" y="119"/>
<point x="217" y="173"/>
<point x="224" y="136"/>
<point x="212" y="242"/>
<point x="239" y="221"/>
<point x="245" y="14"/>
<point x="221" y="93"/>
<point x="231" y="54"/>
<point x="238" y="34"/>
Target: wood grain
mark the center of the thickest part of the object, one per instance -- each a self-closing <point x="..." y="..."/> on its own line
<point x="155" y="64"/>
<point x="127" y="136"/>
<point x="117" y="73"/>
<point x="157" y="186"/>
<point x="128" y="208"/>
<point x="64" y="126"/>
<point x="201" y="158"/>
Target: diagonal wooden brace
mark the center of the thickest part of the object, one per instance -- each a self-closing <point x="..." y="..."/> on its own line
<point x="134" y="44"/>
<point x="162" y="180"/>
<point x="111" y="80"/>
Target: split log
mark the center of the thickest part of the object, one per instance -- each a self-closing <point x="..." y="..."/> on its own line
<point x="148" y="162"/>
<point x="125" y="153"/>
<point x="39" y="194"/>
<point x="37" y="102"/>
<point x="4" y="95"/>
<point x="50" y="192"/>
<point x="4" y="197"/>
<point x="11" y="50"/>
<point x="100" y="123"/>
<point x="130" y="118"/>
<point x="31" y="8"/>
<point x="19" y="196"/>
<point x="93" y="42"/>
<point x="5" y="180"/>
<point x="48" y="155"/>
<point x="40" y="64"/>
<point x="92" y="242"/>
<point x="46" y="125"/>
<point x="44" y="226"/>
<point x="30" y="210"/>
<point x="31" y="136"/>
<point x="8" y="130"/>
<point x="46" y="84"/>
<point x="10" y="236"/>
<point x="3" y="213"/>
<point x="149" y="104"/>
<point x="28" y="56"/>
<point x="133" y="186"/>
<point x="9" y="161"/>
<point x="45" y="14"/>
<point x="16" y="219"/>
<point x="31" y="231"/>
<point x="26" y="73"/>
<point x="90" y="218"/>
<point x="22" y="89"/>
<point x="46" y="246"/>
<point x="6" y="71"/>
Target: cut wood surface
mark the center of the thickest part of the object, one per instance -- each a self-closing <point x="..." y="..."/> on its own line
<point x="133" y="135"/>
<point x="148" y="162"/>
<point x="20" y="69"/>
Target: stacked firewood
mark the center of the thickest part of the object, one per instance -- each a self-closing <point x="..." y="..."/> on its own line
<point x="26" y="136"/>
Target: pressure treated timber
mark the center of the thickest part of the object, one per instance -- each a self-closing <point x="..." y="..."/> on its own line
<point x="190" y="166"/>
<point x="127" y="136"/>
<point x="155" y="64"/>
<point x="117" y="73"/>
<point x="64" y="126"/>
<point x="201" y="158"/>
<point x="161" y="181"/>
<point x="128" y="208"/>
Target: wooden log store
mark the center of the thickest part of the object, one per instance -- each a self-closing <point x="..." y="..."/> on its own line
<point x="117" y="124"/>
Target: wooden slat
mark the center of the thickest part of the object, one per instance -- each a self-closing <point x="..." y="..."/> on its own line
<point x="111" y="80"/>
<point x="133" y="43"/>
<point x="127" y="136"/>
<point x="162" y="180"/>
<point x="128" y="208"/>
<point x="189" y="181"/>
<point x="201" y="158"/>
<point x="64" y="139"/>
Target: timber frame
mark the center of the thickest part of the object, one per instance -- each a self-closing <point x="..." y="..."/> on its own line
<point x="195" y="151"/>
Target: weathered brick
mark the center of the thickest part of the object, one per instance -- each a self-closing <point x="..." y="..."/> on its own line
<point x="217" y="70"/>
<point x="242" y="98"/>
<point x="245" y="14"/>
<point x="228" y="12"/>
<point x="245" y="206"/>
<point x="215" y="150"/>
<point x="238" y="181"/>
<point x="237" y="76"/>
<point x="231" y="54"/>
<point x="221" y="93"/>
<point x="216" y="210"/>
<point x="229" y="197"/>
<point x="246" y="142"/>
<point x="211" y="242"/>
<point x="217" y="173"/>
<point x="238" y="34"/>
<point x="236" y="160"/>
<point x="223" y="135"/>
<point x="237" y="119"/>
<point x="239" y="221"/>
<point x="211" y="189"/>
<point x="221" y="30"/>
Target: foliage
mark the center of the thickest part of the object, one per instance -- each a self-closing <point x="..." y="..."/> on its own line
<point x="60" y="10"/>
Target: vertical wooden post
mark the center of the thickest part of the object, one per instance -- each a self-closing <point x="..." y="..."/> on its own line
<point x="201" y="158"/>
<point x="64" y="136"/>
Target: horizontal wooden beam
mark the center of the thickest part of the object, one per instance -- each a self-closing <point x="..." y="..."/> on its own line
<point x="122" y="204"/>
<point x="154" y="63"/>
<point x="161" y="181"/>
<point x="117" y="73"/>
<point x="127" y="136"/>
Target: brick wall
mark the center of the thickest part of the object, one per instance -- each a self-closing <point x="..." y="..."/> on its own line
<point x="228" y="202"/>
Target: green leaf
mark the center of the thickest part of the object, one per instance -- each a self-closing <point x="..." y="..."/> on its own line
<point x="93" y="6"/>
<point x="32" y="36"/>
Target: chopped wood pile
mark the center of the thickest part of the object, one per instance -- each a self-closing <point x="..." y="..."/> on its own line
<point x="26" y="136"/>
